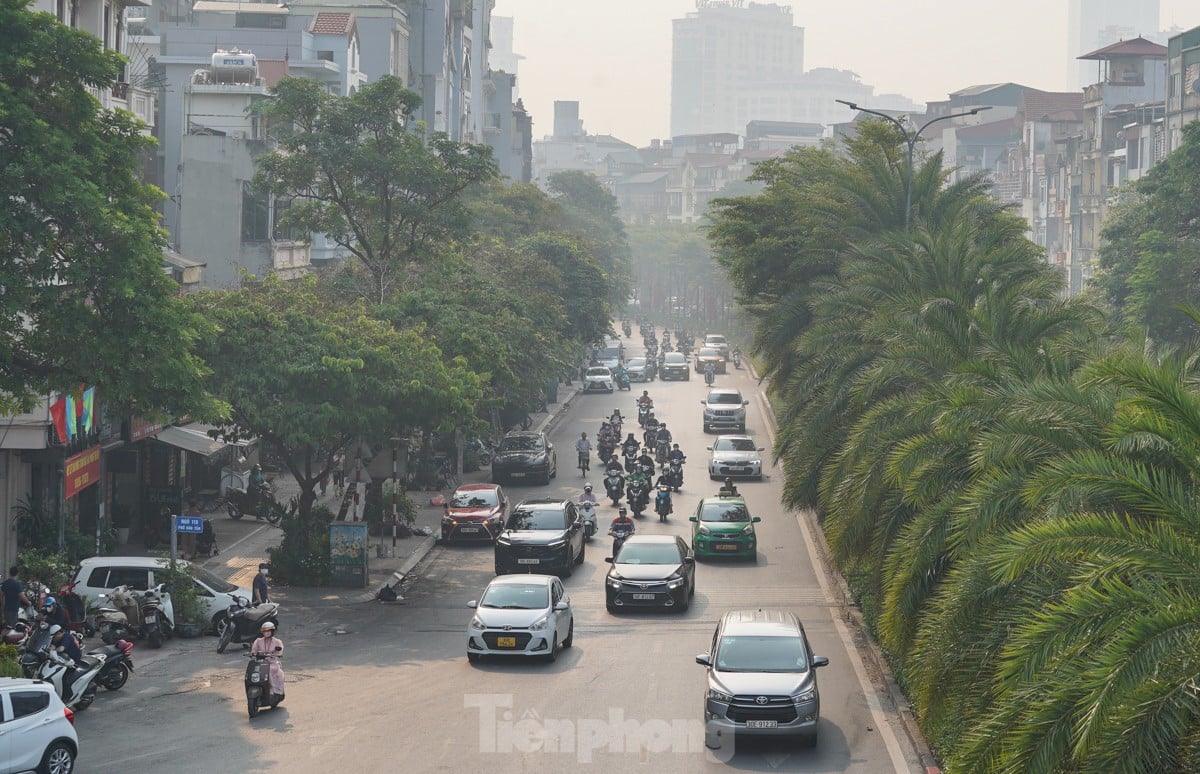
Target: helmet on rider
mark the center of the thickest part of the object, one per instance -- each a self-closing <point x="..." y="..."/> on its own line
<point x="622" y="511"/>
<point x="587" y="487"/>
<point x="267" y="627"/>
<point x="49" y="602"/>
<point x="676" y="446"/>
<point x="55" y="629"/>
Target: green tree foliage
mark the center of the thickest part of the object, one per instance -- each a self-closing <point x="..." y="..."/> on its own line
<point x="357" y="169"/>
<point x="85" y="299"/>
<point x="1150" y="254"/>
<point x="673" y="259"/>
<point x="307" y="374"/>
<point x="592" y="214"/>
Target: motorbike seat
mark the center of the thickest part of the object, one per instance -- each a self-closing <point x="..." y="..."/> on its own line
<point x="90" y="661"/>
<point x="261" y="611"/>
<point x="107" y="651"/>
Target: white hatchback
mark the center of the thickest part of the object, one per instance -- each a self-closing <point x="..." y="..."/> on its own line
<point x="522" y="615"/>
<point x="37" y="731"/>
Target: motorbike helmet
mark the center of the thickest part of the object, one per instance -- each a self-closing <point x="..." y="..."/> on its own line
<point x="267" y="627"/>
<point x="55" y="629"/>
<point x="49" y="602"/>
<point x="587" y="487"/>
<point x="622" y="511"/>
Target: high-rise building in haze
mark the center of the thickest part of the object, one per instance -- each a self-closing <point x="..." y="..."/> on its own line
<point x="1094" y="24"/>
<point x="734" y="62"/>
<point x="502" y="57"/>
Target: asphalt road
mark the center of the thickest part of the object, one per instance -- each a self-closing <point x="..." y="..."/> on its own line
<point x="388" y="688"/>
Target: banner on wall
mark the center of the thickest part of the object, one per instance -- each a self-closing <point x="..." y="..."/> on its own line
<point x="82" y="471"/>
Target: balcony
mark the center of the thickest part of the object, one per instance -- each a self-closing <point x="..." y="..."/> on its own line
<point x="130" y="98"/>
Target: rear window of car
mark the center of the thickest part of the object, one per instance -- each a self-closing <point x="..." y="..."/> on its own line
<point x="708" y="352"/>
<point x="539" y="518"/>
<point x="28" y="702"/>
<point x="212" y="581"/>
<point x="714" y="339"/>
<point x="674" y="357"/>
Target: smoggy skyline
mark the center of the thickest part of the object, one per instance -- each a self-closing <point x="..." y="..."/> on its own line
<point x="615" y="57"/>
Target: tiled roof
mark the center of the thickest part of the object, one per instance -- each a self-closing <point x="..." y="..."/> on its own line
<point x="272" y="70"/>
<point x="331" y="23"/>
<point x="1138" y="46"/>
<point x="1039" y="105"/>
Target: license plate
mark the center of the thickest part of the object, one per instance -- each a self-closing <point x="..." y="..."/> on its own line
<point x="468" y="529"/>
<point x="762" y="724"/>
<point x="506" y="642"/>
<point x="151" y="618"/>
<point x="727" y="546"/>
<point x="517" y="475"/>
<point x="528" y="561"/>
<point x="643" y="596"/>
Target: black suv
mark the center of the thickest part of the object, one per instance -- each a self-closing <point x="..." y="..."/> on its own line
<point x="541" y="536"/>
<point x="524" y="455"/>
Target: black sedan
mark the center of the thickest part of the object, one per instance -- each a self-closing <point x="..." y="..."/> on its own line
<point x="522" y="456"/>
<point x="656" y="571"/>
<point x="675" y="366"/>
<point x="541" y="536"/>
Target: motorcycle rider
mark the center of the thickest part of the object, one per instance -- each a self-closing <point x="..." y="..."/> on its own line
<point x="616" y="420"/>
<point x="645" y="461"/>
<point x="710" y="372"/>
<point x="645" y="400"/>
<point x="650" y="437"/>
<point x="64" y="644"/>
<point x="588" y="496"/>
<point x="621" y="528"/>
<point x="728" y="490"/>
<point x="584" y="447"/>
<point x="620" y="375"/>
<point x="662" y="440"/>
<point x="54" y="613"/>
<point x="258" y="486"/>
<point x="676" y="455"/>
<point x="737" y="358"/>
<point x="629" y="443"/>
<point x="273" y="646"/>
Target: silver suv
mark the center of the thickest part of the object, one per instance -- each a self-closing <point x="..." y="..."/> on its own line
<point x="724" y="409"/>
<point x="762" y="679"/>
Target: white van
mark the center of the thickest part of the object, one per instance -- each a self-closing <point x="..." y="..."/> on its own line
<point x="101" y="574"/>
<point x="611" y="355"/>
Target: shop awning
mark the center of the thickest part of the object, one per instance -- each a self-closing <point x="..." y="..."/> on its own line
<point x="190" y="440"/>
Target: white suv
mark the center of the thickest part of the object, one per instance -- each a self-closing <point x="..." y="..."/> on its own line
<point x="724" y="409"/>
<point x="37" y="731"/>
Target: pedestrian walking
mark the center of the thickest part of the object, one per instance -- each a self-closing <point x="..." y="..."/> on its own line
<point x="14" y="597"/>
<point x="262" y="590"/>
<point x="324" y="484"/>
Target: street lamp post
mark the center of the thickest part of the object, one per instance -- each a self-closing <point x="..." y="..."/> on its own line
<point x="910" y="138"/>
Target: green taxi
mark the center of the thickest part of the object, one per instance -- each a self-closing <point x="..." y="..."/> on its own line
<point x="723" y="526"/>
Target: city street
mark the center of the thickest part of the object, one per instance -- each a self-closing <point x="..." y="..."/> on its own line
<point x="388" y="687"/>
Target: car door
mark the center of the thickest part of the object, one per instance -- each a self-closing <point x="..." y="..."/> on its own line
<point x="689" y="568"/>
<point x="23" y="731"/>
<point x="562" y="620"/>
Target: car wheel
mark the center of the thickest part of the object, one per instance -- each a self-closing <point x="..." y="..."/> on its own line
<point x="552" y="656"/>
<point x="499" y="570"/>
<point x="58" y="759"/>
<point x="582" y="549"/>
<point x="569" y="567"/>
<point x="570" y="640"/>
<point x="683" y="606"/>
<point x="472" y="657"/>
<point x="610" y="608"/>
<point x="692" y="588"/>
<point x="754" y="557"/>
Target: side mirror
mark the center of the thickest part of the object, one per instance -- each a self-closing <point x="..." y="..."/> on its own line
<point x="703" y="403"/>
<point x="710" y="448"/>
<point x="689" y="560"/>
<point x="745" y="403"/>
<point x="473" y="604"/>
<point x="761" y="449"/>
<point x="820" y="661"/>
<point x="608" y="559"/>
<point x="692" y="519"/>
<point x="704" y="659"/>
<point x="562" y="605"/>
<point x="756" y="519"/>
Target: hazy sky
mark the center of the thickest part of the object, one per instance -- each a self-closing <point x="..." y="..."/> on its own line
<point x="614" y="56"/>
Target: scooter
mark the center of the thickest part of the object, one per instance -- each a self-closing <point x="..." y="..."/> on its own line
<point x="75" y="685"/>
<point x="258" y="682"/>
<point x="662" y="502"/>
<point x="663" y="447"/>
<point x="243" y="621"/>
<point x="118" y="664"/>
<point x="709" y="377"/>
<point x="587" y="511"/>
<point x="737" y="359"/>
<point x="644" y="412"/>
<point x="131" y="614"/>
<point x="638" y="497"/>
<point x="614" y="485"/>
<point x="675" y="473"/>
<point x="631" y="455"/>
<point x="622" y="379"/>
<point x="619" y="537"/>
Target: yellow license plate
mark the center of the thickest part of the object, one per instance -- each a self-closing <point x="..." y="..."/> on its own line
<point x="727" y="546"/>
<point x="506" y="642"/>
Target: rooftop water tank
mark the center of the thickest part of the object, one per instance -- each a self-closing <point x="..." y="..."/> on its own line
<point x="234" y="67"/>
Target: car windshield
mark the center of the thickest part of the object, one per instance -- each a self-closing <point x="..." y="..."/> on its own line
<point x="513" y="596"/>
<point x="674" y="357"/>
<point x="526" y="518"/>
<point x="599" y="372"/>
<point x="708" y="352"/>
<point x="608" y="353"/>
<point x="730" y="398"/>
<point x="735" y="444"/>
<point x="649" y="553"/>
<point x="212" y="581"/>
<point x="715" y="510"/>
<point x="714" y="339"/>
<point x="483" y="498"/>
<point x="521" y="443"/>
<point x="761" y="654"/>
<point x="637" y="362"/>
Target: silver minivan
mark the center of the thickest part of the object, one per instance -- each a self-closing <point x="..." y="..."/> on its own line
<point x="762" y="679"/>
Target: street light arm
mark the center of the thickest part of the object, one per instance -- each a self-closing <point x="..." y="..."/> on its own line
<point x="893" y="119"/>
<point x="971" y="112"/>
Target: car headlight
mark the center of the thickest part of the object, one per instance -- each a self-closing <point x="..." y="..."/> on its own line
<point x="749" y="530"/>
<point x="715" y="695"/>
<point x="557" y="544"/>
<point x="704" y="530"/>
<point x="540" y="624"/>
<point x="805" y="696"/>
<point x="447" y="521"/>
<point x="614" y="581"/>
<point x="477" y="623"/>
<point x="674" y="582"/>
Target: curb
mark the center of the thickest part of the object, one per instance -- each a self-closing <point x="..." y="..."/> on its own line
<point x="420" y="552"/>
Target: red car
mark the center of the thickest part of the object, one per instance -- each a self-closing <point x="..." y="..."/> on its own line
<point x="474" y="512"/>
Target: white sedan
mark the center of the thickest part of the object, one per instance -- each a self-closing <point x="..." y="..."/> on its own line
<point x="598" y="379"/>
<point x="521" y="615"/>
<point x="735" y="455"/>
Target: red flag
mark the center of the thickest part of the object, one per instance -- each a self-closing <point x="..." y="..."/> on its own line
<point x="79" y="401"/>
<point x="58" y="413"/>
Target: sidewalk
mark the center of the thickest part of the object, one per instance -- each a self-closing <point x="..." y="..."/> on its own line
<point x="243" y="544"/>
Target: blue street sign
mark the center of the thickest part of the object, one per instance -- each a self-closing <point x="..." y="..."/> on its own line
<point x="193" y="524"/>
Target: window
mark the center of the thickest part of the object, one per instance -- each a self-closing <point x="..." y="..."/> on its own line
<point x="28" y="702"/>
<point x="98" y="579"/>
<point x="262" y="21"/>
<point x="282" y="231"/>
<point x="256" y="215"/>
<point x="326" y="56"/>
<point x="134" y="577"/>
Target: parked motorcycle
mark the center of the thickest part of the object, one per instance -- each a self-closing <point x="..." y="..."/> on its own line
<point x="76" y="686"/>
<point x="242" y="622"/>
<point x="239" y="502"/>
<point x="118" y="664"/>
<point x="662" y="502"/>
<point x="76" y="610"/>
<point x="587" y="511"/>
<point x="131" y="614"/>
<point x="614" y="486"/>
<point x="483" y="450"/>
<point x="258" y="683"/>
